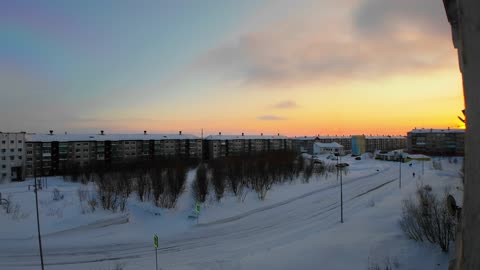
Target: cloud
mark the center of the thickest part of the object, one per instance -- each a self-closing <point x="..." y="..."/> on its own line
<point x="376" y="38"/>
<point x="383" y="16"/>
<point x="271" y="118"/>
<point x="287" y="104"/>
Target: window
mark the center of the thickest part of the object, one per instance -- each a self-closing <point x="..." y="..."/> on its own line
<point x="29" y="152"/>
<point x="3" y="166"/>
<point x="77" y="157"/>
<point x="3" y="158"/>
<point x="77" y="150"/>
<point x="4" y="174"/>
<point x="3" y="150"/>
<point x="29" y="145"/>
<point x="12" y="141"/>
<point x="19" y="149"/>
<point x="12" y="150"/>
<point x="20" y="157"/>
<point x="12" y="157"/>
<point x="29" y="159"/>
<point x="19" y="141"/>
<point x="3" y="142"/>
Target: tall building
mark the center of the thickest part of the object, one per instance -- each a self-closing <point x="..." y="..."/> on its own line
<point x="12" y="156"/>
<point x="48" y="154"/>
<point x="216" y="146"/>
<point x="441" y="142"/>
<point x="464" y="17"/>
<point x="359" y="145"/>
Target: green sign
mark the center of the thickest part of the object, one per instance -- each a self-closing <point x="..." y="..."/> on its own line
<point x="155" y="240"/>
<point x="197" y="208"/>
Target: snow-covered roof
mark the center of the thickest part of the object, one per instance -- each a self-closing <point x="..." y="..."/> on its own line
<point x="311" y="138"/>
<point x="385" y="137"/>
<point x="431" y="130"/>
<point x="106" y="137"/>
<point x="245" y="137"/>
<point x="328" y="145"/>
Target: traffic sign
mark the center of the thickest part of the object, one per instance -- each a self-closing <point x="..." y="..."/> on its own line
<point x="155" y="240"/>
<point x="197" y="208"/>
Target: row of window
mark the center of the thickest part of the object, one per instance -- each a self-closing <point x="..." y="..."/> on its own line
<point x="11" y="141"/>
<point x="12" y="158"/>
<point x="11" y="150"/>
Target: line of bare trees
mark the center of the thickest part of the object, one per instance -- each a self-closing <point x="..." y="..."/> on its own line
<point x="160" y="181"/>
<point x="254" y="172"/>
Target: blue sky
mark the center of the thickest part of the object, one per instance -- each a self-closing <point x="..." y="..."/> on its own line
<point x="126" y="66"/>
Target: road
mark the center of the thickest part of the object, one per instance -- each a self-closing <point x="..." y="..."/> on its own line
<point x="218" y="244"/>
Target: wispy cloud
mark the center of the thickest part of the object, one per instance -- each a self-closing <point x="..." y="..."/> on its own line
<point x="271" y="118"/>
<point x="353" y="46"/>
<point x="287" y="104"/>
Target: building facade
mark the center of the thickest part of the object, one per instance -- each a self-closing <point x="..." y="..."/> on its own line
<point x="305" y="144"/>
<point x="48" y="154"/>
<point x="327" y="148"/>
<point x="441" y="142"/>
<point x="216" y="146"/>
<point x="359" y="145"/>
<point x="12" y="156"/>
<point x="385" y="143"/>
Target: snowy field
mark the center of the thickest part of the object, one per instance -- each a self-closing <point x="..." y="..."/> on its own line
<point x="297" y="226"/>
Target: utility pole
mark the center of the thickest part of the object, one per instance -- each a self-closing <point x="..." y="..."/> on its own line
<point x="400" y="173"/>
<point x="38" y="224"/>
<point x="341" y="197"/>
<point x="423" y="167"/>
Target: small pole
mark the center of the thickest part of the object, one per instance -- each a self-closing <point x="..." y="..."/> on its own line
<point x="156" y="258"/>
<point x="423" y="167"/>
<point x="400" y="173"/>
<point x="38" y="224"/>
<point x="341" y="197"/>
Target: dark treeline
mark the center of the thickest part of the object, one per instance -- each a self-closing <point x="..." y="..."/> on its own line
<point x="258" y="173"/>
<point x="160" y="181"/>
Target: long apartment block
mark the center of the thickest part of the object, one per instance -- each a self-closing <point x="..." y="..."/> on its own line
<point x="216" y="146"/>
<point x="47" y="154"/>
<point x="12" y="156"/>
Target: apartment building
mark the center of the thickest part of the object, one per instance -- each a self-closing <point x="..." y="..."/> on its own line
<point x="47" y="154"/>
<point x="12" y="156"/>
<point x="306" y="144"/>
<point x="437" y="141"/>
<point x="385" y="143"/>
<point x="216" y="146"/>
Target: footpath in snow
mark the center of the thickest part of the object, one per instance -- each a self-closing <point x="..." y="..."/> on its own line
<point x="297" y="226"/>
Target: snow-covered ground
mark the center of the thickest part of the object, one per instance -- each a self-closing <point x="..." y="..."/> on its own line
<point x="296" y="227"/>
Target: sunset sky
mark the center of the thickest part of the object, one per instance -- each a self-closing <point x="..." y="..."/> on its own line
<point x="296" y="67"/>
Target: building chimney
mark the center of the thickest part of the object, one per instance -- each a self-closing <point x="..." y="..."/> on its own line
<point x="101" y="132"/>
<point x="51" y="132"/>
<point x="219" y="133"/>
<point x="448" y="128"/>
<point x="144" y="132"/>
<point x="261" y="134"/>
<point x="180" y="132"/>
<point x="278" y="134"/>
<point x="243" y="134"/>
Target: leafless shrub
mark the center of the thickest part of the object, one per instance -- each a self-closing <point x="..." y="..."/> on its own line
<point x="57" y="195"/>
<point x="385" y="264"/>
<point x="428" y="219"/>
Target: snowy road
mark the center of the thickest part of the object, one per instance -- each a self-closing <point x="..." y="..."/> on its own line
<point x="218" y="244"/>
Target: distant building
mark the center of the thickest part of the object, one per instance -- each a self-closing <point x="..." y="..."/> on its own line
<point x="442" y="142"/>
<point x="327" y="148"/>
<point x="216" y="146"/>
<point x="12" y="156"/>
<point x="47" y="154"/>
<point x="385" y="143"/>
<point x="305" y="144"/>
<point x="359" y="145"/>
